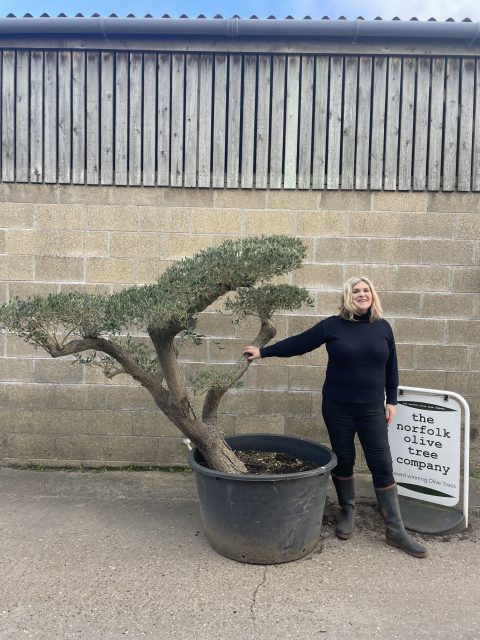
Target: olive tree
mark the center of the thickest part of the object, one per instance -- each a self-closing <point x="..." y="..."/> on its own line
<point x="103" y="329"/>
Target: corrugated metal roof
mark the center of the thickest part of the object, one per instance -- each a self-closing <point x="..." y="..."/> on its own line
<point x="220" y="17"/>
<point x="236" y="28"/>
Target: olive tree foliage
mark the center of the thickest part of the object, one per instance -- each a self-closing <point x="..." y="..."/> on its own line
<point x="97" y="328"/>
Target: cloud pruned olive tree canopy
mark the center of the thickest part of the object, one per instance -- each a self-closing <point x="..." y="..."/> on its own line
<point x="95" y="328"/>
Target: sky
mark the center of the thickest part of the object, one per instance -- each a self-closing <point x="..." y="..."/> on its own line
<point x="369" y="9"/>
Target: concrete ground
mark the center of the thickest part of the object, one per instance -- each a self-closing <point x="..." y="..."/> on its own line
<point x="115" y="555"/>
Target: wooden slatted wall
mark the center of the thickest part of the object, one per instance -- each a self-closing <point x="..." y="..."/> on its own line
<point x="240" y="120"/>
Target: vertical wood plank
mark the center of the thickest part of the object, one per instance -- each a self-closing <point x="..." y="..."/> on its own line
<point x="50" y="142"/>
<point x="106" y="116"/>
<point x="248" y="120"/>
<point x="205" y="120"/>
<point x="363" y="122"/>
<point x="278" y="125"/>
<point x="291" y="123"/>
<point x="378" y="122"/>
<point x="306" y="123"/>
<point x="21" y="133"/>
<point x="263" y="121"/>
<point x="219" y="121"/>
<point x="191" y="120"/>
<point x="64" y="117"/>
<point x="234" y="103"/>
<point x="36" y="117"/>
<point x="392" y="130"/>
<point x="163" y="114"/>
<point x="334" y="122"/>
<point x="349" y="122"/>
<point x="8" y="116"/>
<point x="466" y="125"/>
<point x="93" y="117"/>
<point x="436" y="124"/>
<point x="476" y="141"/>
<point x="121" y="118"/>
<point x="1" y="83"/>
<point x="421" y="124"/>
<point x="178" y="113"/>
<point x="78" y="117"/>
<point x="406" y="125"/>
<point x="320" y="124"/>
<point x="450" y="149"/>
<point x="149" y="118"/>
<point x="135" y="120"/>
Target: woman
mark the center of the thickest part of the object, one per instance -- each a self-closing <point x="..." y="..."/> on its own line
<point x="359" y="396"/>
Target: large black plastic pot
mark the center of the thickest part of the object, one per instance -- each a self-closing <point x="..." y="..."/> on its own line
<point x="265" y="519"/>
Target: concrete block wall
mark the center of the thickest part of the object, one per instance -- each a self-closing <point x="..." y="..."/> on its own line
<point x="421" y="250"/>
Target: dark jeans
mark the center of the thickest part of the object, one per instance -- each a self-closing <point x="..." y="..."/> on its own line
<point x="343" y="421"/>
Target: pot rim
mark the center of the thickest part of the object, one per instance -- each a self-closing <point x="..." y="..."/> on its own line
<point x="265" y="477"/>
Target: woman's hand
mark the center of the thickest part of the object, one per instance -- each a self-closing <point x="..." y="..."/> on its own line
<point x="390" y="411"/>
<point x="251" y="352"/>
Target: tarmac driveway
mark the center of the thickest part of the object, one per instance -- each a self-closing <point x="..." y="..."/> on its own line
<point x="115" y="555"/>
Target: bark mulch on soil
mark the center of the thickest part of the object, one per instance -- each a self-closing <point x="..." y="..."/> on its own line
<point x="272" y="462"/>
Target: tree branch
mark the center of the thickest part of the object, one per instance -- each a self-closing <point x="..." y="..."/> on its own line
<point x="114" y="373"/>
<point x="126" y="361"/>
<point x="214" y="396"/>
<point x="167" y="356"/>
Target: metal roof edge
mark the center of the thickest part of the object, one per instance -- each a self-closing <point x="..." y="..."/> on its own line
<point x="238" y="28"/>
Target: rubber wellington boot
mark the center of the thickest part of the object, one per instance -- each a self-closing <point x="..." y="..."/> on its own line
<point x="396" y="535"/>
<point x="346" y="499"/>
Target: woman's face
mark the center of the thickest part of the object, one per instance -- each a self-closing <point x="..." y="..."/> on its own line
<point x="361" y="298"/>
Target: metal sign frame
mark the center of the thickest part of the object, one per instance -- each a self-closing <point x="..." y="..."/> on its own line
<point x="466" y="435"/>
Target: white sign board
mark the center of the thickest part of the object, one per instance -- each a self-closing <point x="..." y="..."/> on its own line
<point x="425" y="442"/>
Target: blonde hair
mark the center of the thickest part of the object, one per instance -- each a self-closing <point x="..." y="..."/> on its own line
<point x="347" y="310"/>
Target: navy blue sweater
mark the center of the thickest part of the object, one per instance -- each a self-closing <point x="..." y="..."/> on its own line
<point x="362" y="359"/>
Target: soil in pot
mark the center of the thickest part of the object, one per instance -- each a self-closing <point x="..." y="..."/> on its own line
<point x="259" y="462"/>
